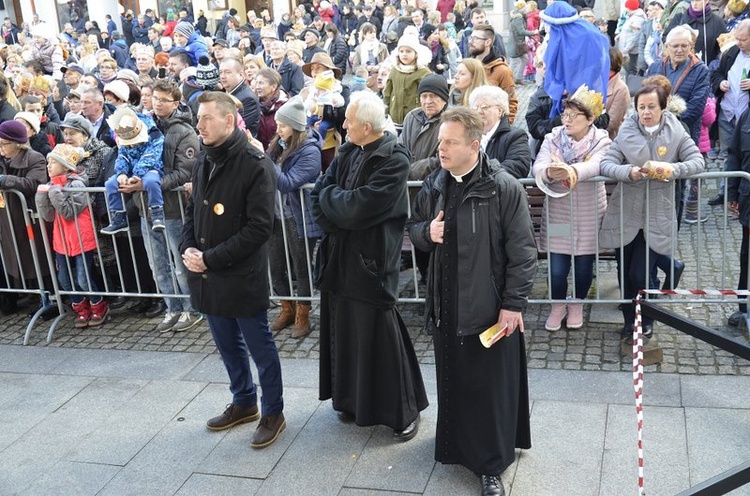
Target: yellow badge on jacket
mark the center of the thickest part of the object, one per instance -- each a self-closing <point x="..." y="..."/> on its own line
<point x="661" y="151"/>
<point x="2" y="200"/>
<point x="218" y="209"/>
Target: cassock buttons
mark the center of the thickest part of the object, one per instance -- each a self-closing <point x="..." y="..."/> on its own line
<point x="205" y="202"/>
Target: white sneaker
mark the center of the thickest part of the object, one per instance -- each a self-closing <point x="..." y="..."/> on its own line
<point x="170" y="319"/>
<point x="187" y="321"/>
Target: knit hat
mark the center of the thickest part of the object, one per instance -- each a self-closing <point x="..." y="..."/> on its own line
<point x="79" y="123"/>
<point x="632" y="4"/>
<point x="427" y="30"/>
<point x="269" y="32"/>
<point x="292" y="113"/>
<point x="434" y="83"/>
<point x="67" y="155"/>
<point x="325" y="80"/>
<point x="13" y="131"/>
<point x="31" y="118"/>
<point x="663" y="3"/>
<point x="206" y="74"/>
<point x="185" y="29"/>
<point x="119" y="89"/>
<point x="737" y="7"/>
<point x="129" y="75"/>
<point x="296" y="46"/>
<point x="424" y="54"/>
<point x="129" y="129"/>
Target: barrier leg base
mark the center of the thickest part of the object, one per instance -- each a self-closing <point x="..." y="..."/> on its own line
<point x="652" y="352"/>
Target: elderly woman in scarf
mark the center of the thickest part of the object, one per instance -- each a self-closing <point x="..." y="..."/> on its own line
<point x="572" y="209"/>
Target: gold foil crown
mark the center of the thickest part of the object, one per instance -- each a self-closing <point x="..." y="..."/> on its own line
<point x="589" y="99"/>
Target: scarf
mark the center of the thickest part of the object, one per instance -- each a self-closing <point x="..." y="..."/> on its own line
<point x="573" y="151"/>
<point x="697" y="14"/>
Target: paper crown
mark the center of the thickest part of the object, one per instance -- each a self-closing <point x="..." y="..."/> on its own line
<point x="589" y="99"/>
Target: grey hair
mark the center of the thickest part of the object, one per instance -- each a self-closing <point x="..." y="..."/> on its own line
<point x="492" y="93"/>
<point x="683" y="30"/>
<point x="278" y="43"/>
<point x="743" y="25"/>
<point x="369" y="109"/>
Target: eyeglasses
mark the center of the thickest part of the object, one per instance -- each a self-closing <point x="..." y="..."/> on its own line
<point x="569" y="116"/>
<point x="161" y="100"/>
<point x="485" y="108"/>
<point x="473" y="38"/>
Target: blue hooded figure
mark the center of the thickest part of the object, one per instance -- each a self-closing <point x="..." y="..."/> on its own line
<point x="577" y="53"/>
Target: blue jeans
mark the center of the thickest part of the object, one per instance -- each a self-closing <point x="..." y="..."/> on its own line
<point x="165" y="260"/>
<point x="151" y="183"/>
<point x="79" y="266"/>
<point x="234" y="339"/>
<point x="559" y="267"/>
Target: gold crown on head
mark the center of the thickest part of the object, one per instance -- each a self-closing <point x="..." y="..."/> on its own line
<point x="589" y="99"/>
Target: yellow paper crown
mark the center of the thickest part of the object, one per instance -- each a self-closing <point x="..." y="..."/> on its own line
<point x="589" y="99"/>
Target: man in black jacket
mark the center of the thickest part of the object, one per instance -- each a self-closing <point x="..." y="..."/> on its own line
<point x="474" y="219"/>
<point x="232" y="78"/>
<point x="228" y="222"/>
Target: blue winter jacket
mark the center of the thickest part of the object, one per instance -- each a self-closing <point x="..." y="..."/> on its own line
<point x="196" y="48"/>
<point x="300" y="168"/>
<point x="140" y="159"/>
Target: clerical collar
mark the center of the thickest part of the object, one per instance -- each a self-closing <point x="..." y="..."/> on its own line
<point x="460" y="179"/>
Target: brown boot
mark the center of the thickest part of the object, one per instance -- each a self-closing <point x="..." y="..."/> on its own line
<point x="301" y="321"/>
<point x="285" y="317"/>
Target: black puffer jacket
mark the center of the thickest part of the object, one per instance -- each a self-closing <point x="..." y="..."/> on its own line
<point x="510" y="146"/>
<point x="230" y="218"/>
<point x="495" y="234"/>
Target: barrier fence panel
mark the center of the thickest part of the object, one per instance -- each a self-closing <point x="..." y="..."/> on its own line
<point x="123" y="265"/>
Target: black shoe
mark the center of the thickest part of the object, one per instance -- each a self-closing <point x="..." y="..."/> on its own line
<point x="648" y="333"/>
<point x="156" y="308"/>
<point x="117" y="302"/>
<point x="409" y="432"/>
<point x="141" y="305"/>
<point x="735" y="319"/>
<point x="716" y="200"/>
<point x="626" y="331"/>
<point x="492" y="485"/>
<point x="27" y="300"/>
<point x="345" y="417"/>
<point x="679" y="267"/>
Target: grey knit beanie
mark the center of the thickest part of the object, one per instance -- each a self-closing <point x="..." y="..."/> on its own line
<point x="292" y="113"/>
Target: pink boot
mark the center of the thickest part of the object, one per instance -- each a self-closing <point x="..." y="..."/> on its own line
<point x="556" y="316"/>
<point x="575" y="315"/>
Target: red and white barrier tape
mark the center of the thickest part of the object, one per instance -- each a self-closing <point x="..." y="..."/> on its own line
<point x="638" y="355"/>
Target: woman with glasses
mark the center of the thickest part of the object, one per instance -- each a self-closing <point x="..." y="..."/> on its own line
<point x="573" y="209"/>
<point x="508" y="145"/>
<point x="651" y="151"/>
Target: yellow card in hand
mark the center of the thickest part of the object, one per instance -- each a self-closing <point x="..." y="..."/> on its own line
<point x="493" y="335"/>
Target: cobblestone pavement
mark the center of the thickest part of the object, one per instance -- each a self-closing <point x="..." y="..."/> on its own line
<point x="594" y="347"/>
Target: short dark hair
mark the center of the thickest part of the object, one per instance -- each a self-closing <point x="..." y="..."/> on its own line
<point x="30" y="100"/>
<point x="488" y="30"/>
<point x="615" y="60"/>
<point x="649" y="89"/>
<point x="164" y="86"/>
<point x="478" y="10"/>
<point x="331" y="28"/>
<point x="225" y="103"/>
<point x="182" y="55"/>
<point x="468" y="118"/>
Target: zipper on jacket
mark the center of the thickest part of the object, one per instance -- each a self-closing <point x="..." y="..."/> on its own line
<point x="473" y="216"/>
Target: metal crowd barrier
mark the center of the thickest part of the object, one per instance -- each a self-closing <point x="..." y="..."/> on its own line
<point x="119" y="261"/>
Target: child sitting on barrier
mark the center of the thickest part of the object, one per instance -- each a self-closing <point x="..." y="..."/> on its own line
<point x="140" y="145"/>
<point x="73" y="237"/>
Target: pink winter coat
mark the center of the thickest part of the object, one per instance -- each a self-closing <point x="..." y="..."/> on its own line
<point x="576" y="235"/>
<point x="709" y="116"/>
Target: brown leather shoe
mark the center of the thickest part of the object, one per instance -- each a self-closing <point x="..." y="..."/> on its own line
<point x="232" y="416"/>
<point x="285" y="317"/>
<point x="301" y="321"/>
<point x="268" y="431"/>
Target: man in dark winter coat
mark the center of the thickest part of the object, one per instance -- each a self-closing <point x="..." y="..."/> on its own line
<point x="232" y="79"/>
<point x="361" y="204"/>
<point x="475" y="221"/>
<point x="228" y="222"/>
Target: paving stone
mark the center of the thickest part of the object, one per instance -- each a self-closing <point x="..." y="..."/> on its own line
<point x="218" y="485"/>
<point x="65" y="478"/>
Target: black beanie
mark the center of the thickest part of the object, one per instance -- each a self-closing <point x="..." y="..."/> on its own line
<point x="434" y="83"/>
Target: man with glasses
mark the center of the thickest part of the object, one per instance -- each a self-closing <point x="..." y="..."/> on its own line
<point x="495" y="67"/>
<point x="179" y="155"/>
<point x="93" y="109"/>
<point x="479" y="18"/>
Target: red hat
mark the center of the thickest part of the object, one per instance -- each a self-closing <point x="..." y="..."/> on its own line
<point x="632" y="4"/>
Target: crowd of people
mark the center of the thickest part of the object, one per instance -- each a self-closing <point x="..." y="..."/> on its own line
<point x="204" y="143"/>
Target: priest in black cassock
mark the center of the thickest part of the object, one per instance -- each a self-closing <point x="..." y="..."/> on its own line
<point x="367" y="362"/>
<point x="474" y="220"/>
